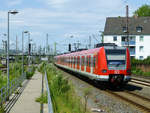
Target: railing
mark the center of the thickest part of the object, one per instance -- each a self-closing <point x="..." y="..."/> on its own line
<point x="132" y="52"/>
<point x="130" y="43"/>
<point x="50" y="108"/>
<point x="13" y="85"/>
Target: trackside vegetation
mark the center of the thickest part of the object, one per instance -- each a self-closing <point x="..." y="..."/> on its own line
<point x="30" y="71"/>
<point x="64" y="98"/>
<point x="15" y="72"/>
<point x="141" y="67"/>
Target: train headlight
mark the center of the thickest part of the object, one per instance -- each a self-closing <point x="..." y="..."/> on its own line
<point x="104" y="71"/>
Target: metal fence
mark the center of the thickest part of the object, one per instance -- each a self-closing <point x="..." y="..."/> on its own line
<point x="13" y="85"/>
<point x="50" y="107"/>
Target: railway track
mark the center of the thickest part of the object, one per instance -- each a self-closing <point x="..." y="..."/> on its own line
<point x="134" y="99"/>
<point x="3" y="68"/>
<point x="141" y="82"/>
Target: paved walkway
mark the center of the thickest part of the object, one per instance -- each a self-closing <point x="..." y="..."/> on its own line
<point x="26" y="102"/>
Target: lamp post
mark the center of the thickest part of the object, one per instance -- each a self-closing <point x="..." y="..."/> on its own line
<point x="23" y="51"/>
<point x="9" y="12"/>
<point x="102" y="36"/>
<point x="29" y="48"/>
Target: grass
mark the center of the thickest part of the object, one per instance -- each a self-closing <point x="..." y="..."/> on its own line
<point x="63" y="95"/>
<point x="30" y="72"/>
<point x="2" y="109"/>
<point x="42" y="99"/>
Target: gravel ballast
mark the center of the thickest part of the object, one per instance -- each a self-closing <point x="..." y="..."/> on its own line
<point x="99" y="99"/>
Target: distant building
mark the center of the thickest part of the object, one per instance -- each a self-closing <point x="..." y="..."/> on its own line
<point x="139" y="34"/>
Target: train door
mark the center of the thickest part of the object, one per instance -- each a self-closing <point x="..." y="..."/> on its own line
<point x="71" y="62"/>
<point x="82" y="63"/>
<point x="94" y="64"/>
<point x="74" y="61"/>
<point x="78" y="62"/>
<point x="87" y="64"/>
<point x="91" y="59"/>
<point x="85" y="58"/>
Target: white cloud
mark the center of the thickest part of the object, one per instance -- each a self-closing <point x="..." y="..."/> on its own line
<point x="13" y="2"/>
<point x="55" y="3"/>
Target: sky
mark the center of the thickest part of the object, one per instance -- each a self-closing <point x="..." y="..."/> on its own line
<point x="65" y="21"/>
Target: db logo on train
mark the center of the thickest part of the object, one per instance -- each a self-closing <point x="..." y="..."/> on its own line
<point x="116" y="71"/>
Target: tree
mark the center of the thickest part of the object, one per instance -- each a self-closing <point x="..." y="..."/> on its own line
<point x="144" y="10"/>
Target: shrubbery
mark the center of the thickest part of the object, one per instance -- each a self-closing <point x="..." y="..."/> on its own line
<point x="140" y="62"/>
<point x="30" y="72"/>
<point x="14" y="72"/>
<point x="138" y="71"/>
<point x="63" y="95"/>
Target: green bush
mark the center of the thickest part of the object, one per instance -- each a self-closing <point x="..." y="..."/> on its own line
<point x="30" y="72"/>
<point x="138" y="71"/>
<point x="140" y="62"/>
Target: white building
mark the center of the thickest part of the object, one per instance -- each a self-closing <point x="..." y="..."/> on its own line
<point x="139" y="34"/>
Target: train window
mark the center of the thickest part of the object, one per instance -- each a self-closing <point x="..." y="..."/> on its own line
<point x="116" y="59"/>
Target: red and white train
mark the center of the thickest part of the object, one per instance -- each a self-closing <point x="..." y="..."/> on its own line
<point x="107" y="63"/>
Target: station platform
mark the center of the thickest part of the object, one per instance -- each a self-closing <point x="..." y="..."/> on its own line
<point x="26" y="102"/>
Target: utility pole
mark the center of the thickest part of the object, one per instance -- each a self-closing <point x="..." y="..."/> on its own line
<point x="47" y="43"/>
<point x="55" y="48"/>
<point x="78" y="44"/>
<point x="16" y="44"/>
<point x="102" y="36"/>
<point x="89" y="42"/>
<point x="16" y="47"/>
<point x="75" y="46"/>
<point x="127" y="24"/>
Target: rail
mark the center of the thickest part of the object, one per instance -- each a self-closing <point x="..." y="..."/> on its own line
<point x="13" y="85"/>
<point x="50" y="108"/>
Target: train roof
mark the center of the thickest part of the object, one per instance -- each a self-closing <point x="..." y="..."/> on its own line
<point x="91" y="51"/>
<point x="114" y="47"/>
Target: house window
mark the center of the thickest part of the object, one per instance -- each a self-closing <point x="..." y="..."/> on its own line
<point x="139" y="29"/>
<point x="124" y="38"/>
<point x="132" y="38"/>
<point x="124" y="29"/>
<point x="115" y="38"/>
<point x="141" y="57"/>
<point x="141" y="48"/>
<point x="141" y="38"/>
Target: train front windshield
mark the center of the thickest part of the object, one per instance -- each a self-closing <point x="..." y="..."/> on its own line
<point x="116" y="59"/>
